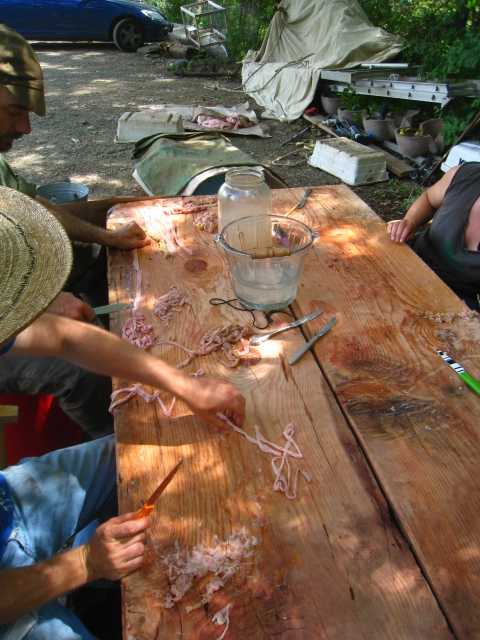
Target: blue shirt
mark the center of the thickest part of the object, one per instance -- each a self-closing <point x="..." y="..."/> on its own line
<point x="6" y="513"/>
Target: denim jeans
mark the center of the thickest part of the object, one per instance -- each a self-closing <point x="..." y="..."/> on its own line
<point x="56" y="496"/>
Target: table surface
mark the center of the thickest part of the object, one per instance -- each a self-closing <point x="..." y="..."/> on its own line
<point x="384" y="542"/>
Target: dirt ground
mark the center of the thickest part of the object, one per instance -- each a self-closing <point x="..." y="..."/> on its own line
<point x="89" y="86"/>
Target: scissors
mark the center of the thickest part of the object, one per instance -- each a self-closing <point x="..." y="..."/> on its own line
<point x="149" y="505"/>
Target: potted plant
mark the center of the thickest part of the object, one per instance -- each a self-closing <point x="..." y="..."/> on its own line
<point x="330" y="103"/>
<point x="423" y="140"/>
<point x="379" y="123"/>
<point x="349" y="109"/>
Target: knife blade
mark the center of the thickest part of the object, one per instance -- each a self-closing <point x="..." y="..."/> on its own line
<point x="150" y="503"/>
<point x="468" y="379"/>
<point x="295" y="357"/>
<point x="301" y="203"/>
<point x="112" y="308"/>
<point x="258" y="339"/>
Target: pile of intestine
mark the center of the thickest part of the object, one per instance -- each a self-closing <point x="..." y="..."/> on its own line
<point x="155" y="216"/>
<point x="171" y="301"/>
<point x="285" y="480"/>
<point x="218" y="339"/>
<point x="206" y="220"/>
<point x="219" y="562"/>
<point x="223" y="617"/>
<point x="135" y="329"/>
<point x="120" y="396"/>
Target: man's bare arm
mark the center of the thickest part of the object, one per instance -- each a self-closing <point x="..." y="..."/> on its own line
<point x="94" y="211"/>
<point x="128" y="236"/>
<point x="104" y="353"/>
<point x="116" y="550"/>
<point x="27" y="588"/>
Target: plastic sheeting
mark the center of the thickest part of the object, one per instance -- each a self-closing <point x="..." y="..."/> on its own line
<point x="304" y="37"/>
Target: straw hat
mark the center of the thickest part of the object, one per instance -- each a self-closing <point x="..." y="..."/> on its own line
<point x="35" y="260"/>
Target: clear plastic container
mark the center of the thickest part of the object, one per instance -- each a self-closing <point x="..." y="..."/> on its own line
<point x="244" y="193"/>
<point x="265" y="255"/>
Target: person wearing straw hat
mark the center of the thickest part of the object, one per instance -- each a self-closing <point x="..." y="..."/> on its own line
<point x="82" y="395"/>
<point x="46" y="501"/>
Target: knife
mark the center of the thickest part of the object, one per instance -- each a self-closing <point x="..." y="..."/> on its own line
<point x="301" y="203"/>
<point x="469" y="380"/>
<point x="295" y="357"/>
<point x="112" y="308"/>
<point x="150" y="503"/>
<point x="258" y="339"/>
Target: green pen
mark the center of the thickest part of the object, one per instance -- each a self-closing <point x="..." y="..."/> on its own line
<point x="469" y="380"/>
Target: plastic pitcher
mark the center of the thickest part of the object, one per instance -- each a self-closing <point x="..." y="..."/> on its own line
<point x="265" y="256"/>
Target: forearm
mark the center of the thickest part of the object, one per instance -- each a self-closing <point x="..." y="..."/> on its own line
<point x="420" y="211"/>
<point x="76" y="228"/>
<point x="98" y="351"/>
<point x="95" y="211"/>
<point x="27" y="588"/>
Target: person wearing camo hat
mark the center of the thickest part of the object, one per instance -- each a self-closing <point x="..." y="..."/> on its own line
<point x="46" y="502"/>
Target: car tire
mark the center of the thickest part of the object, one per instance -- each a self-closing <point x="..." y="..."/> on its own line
<point x="128" y="35"/>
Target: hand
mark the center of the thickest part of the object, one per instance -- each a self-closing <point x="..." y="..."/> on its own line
<point x="66" y="304"/>
<point x="208" y="396"/>
<point x="128" y="236"/>
<point x="399" y="230"/>
<point x="117" y="548"/>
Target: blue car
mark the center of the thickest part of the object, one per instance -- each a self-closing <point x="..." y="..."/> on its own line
<point x="129" y="24"/>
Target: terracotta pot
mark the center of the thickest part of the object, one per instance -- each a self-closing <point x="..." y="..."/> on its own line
<point x="380" y="129"/>
<point x="413" y="146"/>
<point x="434" y="128"/>
<point x="354" y="117"/>
<point x="330" y="104"/>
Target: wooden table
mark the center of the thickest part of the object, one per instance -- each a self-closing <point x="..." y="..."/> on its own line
<point x="384" y="542"/>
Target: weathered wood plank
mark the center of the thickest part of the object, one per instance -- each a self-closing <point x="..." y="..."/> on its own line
<point x="331" y="564"/>
<point x="419" y="425"/>
<point x="395" y="165"/>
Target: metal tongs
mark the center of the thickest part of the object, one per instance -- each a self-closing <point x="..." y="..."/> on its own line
<point x="258" y="339"/>
<point x="148" y="506"/>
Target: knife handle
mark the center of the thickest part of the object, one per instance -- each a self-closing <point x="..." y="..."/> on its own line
<point x="144" y="511"/>
<point x="471" y="382"/>
<point x="295" y="357"/>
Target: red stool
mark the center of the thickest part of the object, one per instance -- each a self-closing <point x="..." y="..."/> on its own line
<point x="41" y="427"/>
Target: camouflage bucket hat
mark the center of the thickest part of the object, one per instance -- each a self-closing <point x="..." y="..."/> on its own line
<point x="20" y="71"/>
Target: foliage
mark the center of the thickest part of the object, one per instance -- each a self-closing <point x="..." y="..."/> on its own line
<point x="456" y="116"/>
<point x="441" y="41"/>
<point x="441" y="36"/>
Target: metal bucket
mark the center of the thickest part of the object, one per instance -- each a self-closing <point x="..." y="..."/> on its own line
<point x="63" y="192"/>
<point x="265" y="256"/>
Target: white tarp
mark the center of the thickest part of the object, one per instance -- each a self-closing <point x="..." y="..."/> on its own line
<point x="132" y="126"/>
<point x="304" y="37"/>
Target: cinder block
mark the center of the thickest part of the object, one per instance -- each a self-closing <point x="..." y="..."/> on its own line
<point x="350" y="161"/>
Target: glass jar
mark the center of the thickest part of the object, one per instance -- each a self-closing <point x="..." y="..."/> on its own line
<point x="244" y="193"/>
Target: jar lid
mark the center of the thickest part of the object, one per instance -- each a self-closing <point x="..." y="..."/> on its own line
<point x="244" y="177"/>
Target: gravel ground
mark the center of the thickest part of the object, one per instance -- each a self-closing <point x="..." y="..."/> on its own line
<point x="89" y="86"/>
